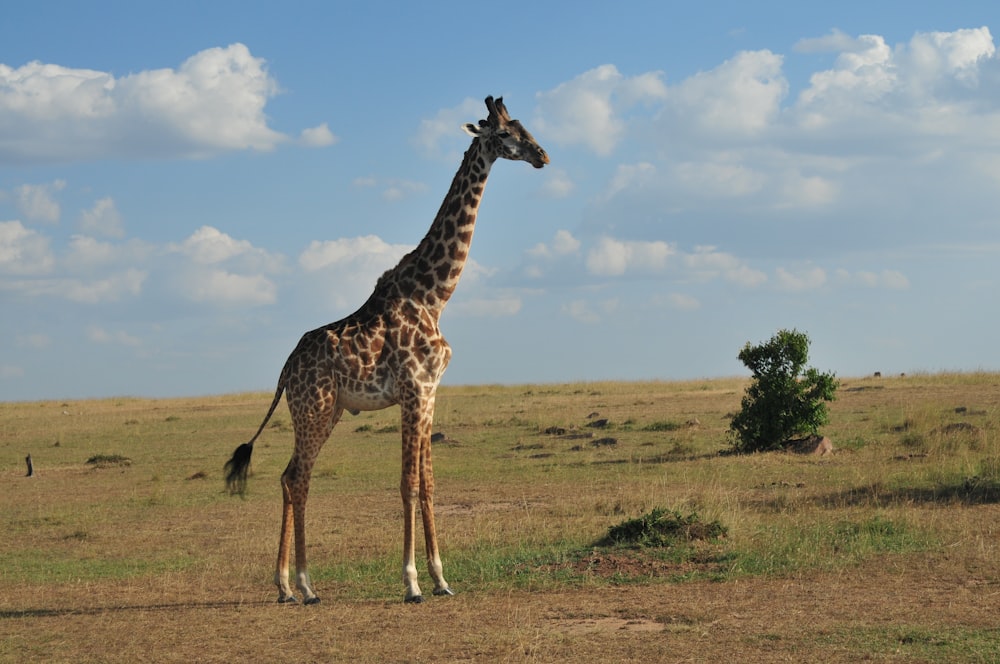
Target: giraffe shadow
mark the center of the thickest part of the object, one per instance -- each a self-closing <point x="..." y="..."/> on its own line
<point x="41" y="612"/>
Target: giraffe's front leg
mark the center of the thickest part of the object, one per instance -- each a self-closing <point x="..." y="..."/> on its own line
<point x="409" y="494"/>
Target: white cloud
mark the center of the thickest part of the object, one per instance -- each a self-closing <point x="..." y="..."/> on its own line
<point x="588" y="110"/>
<point x="36" y="202"/>
<point x="216" y="286"/>
<point x="630" y="176"/>
<point x="919" y="79"/>
<point x="796" y="190"/>
<point x="586" y="312"/>
<point x="678" y="301"/>
<point x="214" y="102"/>
<point x="800" y="280"/>
<point x="350" y="252"/>
<point x="562" y="244"/>
<point x="397" y="190"/>
<point x="352" y="265"/>
<point x="445" y="128"/>
<point x="210" y="246"/>
<point x="223" y="270"/>
<point x="751" y="82"/>
<point x="887" y="279"/>
<point x="37" y="341"/>
<point x="23" y="251"/>
<point x="99" y="335"/>
<point x="102" y="219"/>
<point x="707" y="263"/>
<point x="86" y="253"/>
<point x="716" y="179"/>
<point x="319" y="136"/>
<point x="495" y="307"/>
<point x="557" y="185"/>
<point x="111" y="288"/>
<point x="613" y="257"/>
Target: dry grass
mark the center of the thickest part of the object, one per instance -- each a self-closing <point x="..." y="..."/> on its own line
<point x="887" y="551"/>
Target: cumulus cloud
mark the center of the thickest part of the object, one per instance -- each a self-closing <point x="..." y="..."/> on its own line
<point x="351" y="252"/>
<point x="677" y="301"/>
<point x="353" y="265"/>
<point x="919" y="80"/>
<point x="442" y="134"/>
<point x="612" y="257"/>
<point x="707" y="262"/>
<point x="102" y="219"/>
<point x="562" y="244"/>
<point x="23" y="251"/>
<point x="558" y="184"/>
<point x="590" y="312"/>
<point x="887" y="279"/>
<point x="210" y="246"/>
<point x="588" y="110"/>
<point x="212" y="103"/>
<point x="100" y="335"/>
<point x="751" y="82"/>
<point x="217" y="286"/>
<point x="803" y="279"/>
<point x="319" y="136"/>
<point x="113" y="287"/>
<point x="37" y="202"/>
<point x="217" y="268"/>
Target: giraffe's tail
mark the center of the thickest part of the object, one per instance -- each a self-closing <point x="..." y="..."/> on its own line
<point x="238" y="467"/>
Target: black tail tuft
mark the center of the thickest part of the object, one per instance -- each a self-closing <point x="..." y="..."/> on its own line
<point x="236" y="469"/>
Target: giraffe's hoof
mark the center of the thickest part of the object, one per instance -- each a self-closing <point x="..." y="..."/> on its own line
<point x="311" y="600"/>
<point x="288" y="600"/>
<point x="444" y="592"/>
<point x="416" y="599"/>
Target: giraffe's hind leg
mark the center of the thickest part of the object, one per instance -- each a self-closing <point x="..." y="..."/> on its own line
<point x="434" y="566"/>
<point x="309" y="440"/>
<point x="285" y="594"/>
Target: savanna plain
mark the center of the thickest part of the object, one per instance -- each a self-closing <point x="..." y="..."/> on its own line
<point x="125" y="547"/>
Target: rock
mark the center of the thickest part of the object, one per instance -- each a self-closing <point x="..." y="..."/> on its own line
<point x="815" y="445"/>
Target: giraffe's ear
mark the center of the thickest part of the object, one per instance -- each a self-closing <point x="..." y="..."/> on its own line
<point x="471" y="129"/>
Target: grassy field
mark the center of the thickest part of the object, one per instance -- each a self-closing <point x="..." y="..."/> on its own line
<point x="124" y="546"/>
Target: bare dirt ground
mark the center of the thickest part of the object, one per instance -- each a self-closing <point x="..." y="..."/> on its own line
<point x="907" y="613"/>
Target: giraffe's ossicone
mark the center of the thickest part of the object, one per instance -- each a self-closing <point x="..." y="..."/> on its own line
<point x="390" y="351"/>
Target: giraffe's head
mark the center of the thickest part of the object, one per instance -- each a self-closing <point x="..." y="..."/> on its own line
<point x="506" y="138"/>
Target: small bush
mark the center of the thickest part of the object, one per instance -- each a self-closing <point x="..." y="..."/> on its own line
<point x="784" y="400"/>
<point x="661" y="528"/>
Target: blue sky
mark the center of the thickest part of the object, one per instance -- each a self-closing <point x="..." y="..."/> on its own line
<point x="186" y="188"/>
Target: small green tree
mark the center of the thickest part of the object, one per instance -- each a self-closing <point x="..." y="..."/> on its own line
<point x="784" y="400"/>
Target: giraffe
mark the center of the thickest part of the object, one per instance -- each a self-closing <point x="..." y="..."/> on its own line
<point x="390" y="351"/>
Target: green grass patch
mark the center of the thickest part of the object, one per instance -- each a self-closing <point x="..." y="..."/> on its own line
<point x="913" y="643"/>
<point x="59" y="565"/>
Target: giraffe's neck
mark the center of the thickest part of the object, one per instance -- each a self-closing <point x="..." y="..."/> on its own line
<point x="430" y="273"/>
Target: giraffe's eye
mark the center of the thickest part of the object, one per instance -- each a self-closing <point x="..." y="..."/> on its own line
<point x="503" y="133"/>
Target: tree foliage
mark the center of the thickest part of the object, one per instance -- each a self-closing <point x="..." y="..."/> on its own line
<point x="784" y="399"/>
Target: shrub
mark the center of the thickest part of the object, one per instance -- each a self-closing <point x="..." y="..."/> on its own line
<point x="784" y="399"/>
<point x="662" y="527"/>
